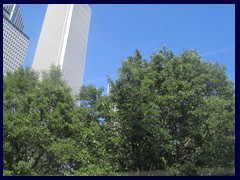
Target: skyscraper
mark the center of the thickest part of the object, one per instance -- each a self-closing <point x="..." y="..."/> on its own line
<point x="63" y="42"/>
<point x="15" y="41"/>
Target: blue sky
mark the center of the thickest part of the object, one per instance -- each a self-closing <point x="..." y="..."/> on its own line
<point x="117" y="30"/>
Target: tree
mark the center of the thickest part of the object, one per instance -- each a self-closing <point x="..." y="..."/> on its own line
<point x="46" y="133"/>
<point x="173" y="113"/>
<point x="163" y="108"/>
<point x="36" y="116"/>
<point x="138" y="116"/>
<point x="99" y="136"/>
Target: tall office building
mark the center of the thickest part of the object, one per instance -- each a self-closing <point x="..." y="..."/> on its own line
<point x="63" y="42"/>
<point x="15" y="41"/>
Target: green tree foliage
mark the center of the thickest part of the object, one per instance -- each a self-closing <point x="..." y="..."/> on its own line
<point x="45" y="133"/>
<point x="174" y="113"/>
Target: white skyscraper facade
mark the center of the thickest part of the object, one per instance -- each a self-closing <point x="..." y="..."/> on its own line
<point x="15" y="41"/>
<point x="63" y="42"/>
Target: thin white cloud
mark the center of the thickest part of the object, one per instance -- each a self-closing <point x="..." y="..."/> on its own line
<point x="98" y="79"/>
<point x="226" y="49"/>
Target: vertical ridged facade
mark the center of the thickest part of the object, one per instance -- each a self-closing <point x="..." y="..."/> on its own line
<point x="15" y="41"/>
<point x="63" y="42"/>
<point x="15" y="15"/>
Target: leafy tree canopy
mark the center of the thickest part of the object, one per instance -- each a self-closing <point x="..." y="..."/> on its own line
<point x="174" y="113"/>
